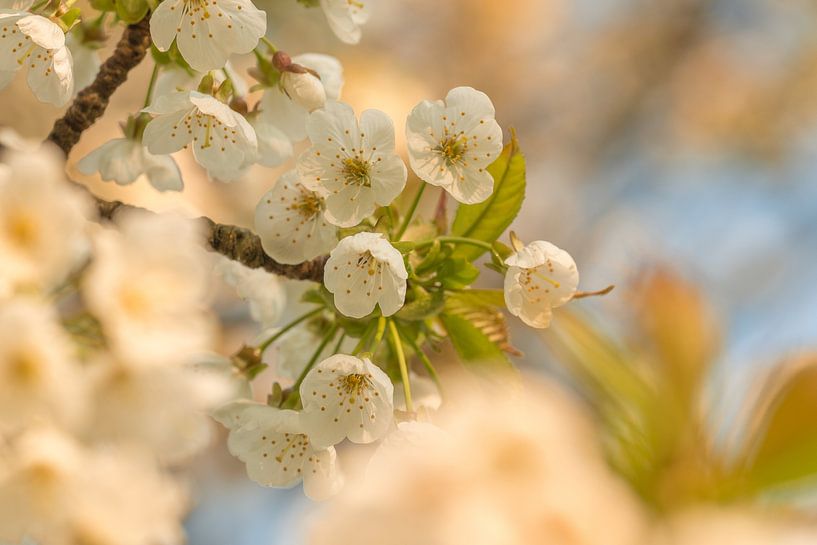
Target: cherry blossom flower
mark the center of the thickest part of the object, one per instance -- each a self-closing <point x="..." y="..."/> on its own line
<point x="223" y="141"/>
<point x="365" y="270"/>
<point x="123" y="160"/>
<point x="353" y="164"/>
<point x="264" y="291"/>
<point x="345" y="396"/>
<point x="345" y="17"/>
<point x="285" y="113"/>
<point x="147" y="285"/>
<point x="540" y="277"/>
<point x="38" y="377"/>
<point x="43" y="225"/>
<point x="208" y="32"/>
<point x="290" y="220"/>
<point x="38" y="44"/>
<point x="276" y="451"/>
<point x="451" y="143"/>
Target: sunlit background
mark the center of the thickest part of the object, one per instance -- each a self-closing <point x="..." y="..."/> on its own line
<point x="677" y="134"/>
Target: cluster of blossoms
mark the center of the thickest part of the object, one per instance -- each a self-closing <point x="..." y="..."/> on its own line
<point x="100" y="331"/>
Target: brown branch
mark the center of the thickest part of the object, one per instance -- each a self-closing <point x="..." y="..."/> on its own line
<point x="238" y="244"/>
<point x="91" y="102"/>
<point x="234" y="242"/>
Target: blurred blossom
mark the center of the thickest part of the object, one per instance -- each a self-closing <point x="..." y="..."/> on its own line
<point x="148" y="287"/>
<point x="512" y="466"/>
<point x="42" y="221"/>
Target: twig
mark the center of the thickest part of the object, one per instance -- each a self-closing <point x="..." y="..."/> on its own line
<point x="91" y="102"/>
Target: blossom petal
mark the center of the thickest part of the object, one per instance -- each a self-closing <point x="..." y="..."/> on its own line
<point x="165" y="22"/>
<point x="167" y="133"/>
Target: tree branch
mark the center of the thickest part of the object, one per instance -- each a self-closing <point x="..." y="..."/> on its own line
<point x="238" y="244"/>
<point x="234" y="242"/>
<point x="91" y="102"/>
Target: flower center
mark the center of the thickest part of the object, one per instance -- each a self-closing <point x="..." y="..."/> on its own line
<point x="452" y="148"/>
<point x="356" y="172"/>
<point x="355" y="384"/>
<point x="21" y="230"/>
<point x="309" y="205"/>
<point x="368" y="260"/>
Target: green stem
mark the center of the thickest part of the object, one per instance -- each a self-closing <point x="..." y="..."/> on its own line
<point x="381" y="329"/>
<point x="269" y="44"/>
<point x="264" y="345"/>
<point x="152" y="84"/>
<point x="295" y="395"/>
<point x="432" y="372"/>
<point x="401" y="360"/>
<point x="364" y="339"/>
<point x="410" y="212"/>
<point x="456" y="240"/>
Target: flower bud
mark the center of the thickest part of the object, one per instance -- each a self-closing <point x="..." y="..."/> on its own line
<point x="304" y="89"/>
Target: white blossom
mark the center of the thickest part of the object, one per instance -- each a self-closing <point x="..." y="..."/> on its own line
<point x="278" y="109"/>
<point x="86" y="61"/>
<point x="38" y="44"/>
<point x="223" y="141"/>
<point x="264" y="291"/>
<point x="290" y="220"/>
<point x="452" y="143"/>
<point x="147" y="285"/>
<point x="353" y="164"/>
<point x="39" y="380"/>
<point x="365" y="270"/>
<point x="345" y="396"/>
<point x="55" y="491"/>
<point x="345" y="17"/>
<point x="276" y="451"/>
<point x="43" y="225"/>
<point x="540" y="277"/>
<point x="207" y="32"/>
<point x="123" y="160"/>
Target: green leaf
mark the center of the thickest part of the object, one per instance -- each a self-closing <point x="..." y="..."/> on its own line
<point x="103" y="5"/>
<point x="478" y="297"/>
<point x="474" y="348"/>
<point x="457" y="273"/>
<point x="488" y="220"/>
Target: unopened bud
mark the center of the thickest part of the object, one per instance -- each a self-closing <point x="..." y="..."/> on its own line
<point x="281" y="61"/>
<point x="304" y="89"/>
<point x="239" y="105"/>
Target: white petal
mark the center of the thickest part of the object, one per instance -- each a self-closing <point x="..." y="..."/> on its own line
<point x="162" y="172"/>
<point x="9" y="40"/>
<point x="472" y="186"/>
<point x="379" y="130"/>
<point x="388" y="178"/>
<point x="51" y="78"/>
<point x="335" y="124"/>
<point x="167" y="133"/>
<point x="274" y="148"/>
<point x="164" y="23"/>
<point x="42" y="31"/>
<point x="393" y="294"/>
<point x="117" y="160"/>
<point x="469" y="100"/>
<point x="341" y="20"/>
<point x="349" y="206"/>
<point x="322" y="478"/>
<point x="169" y="103"/>
<point x="277" y="109"/>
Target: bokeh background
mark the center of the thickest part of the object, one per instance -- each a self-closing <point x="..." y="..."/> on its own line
<point x="677" y="134"/>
